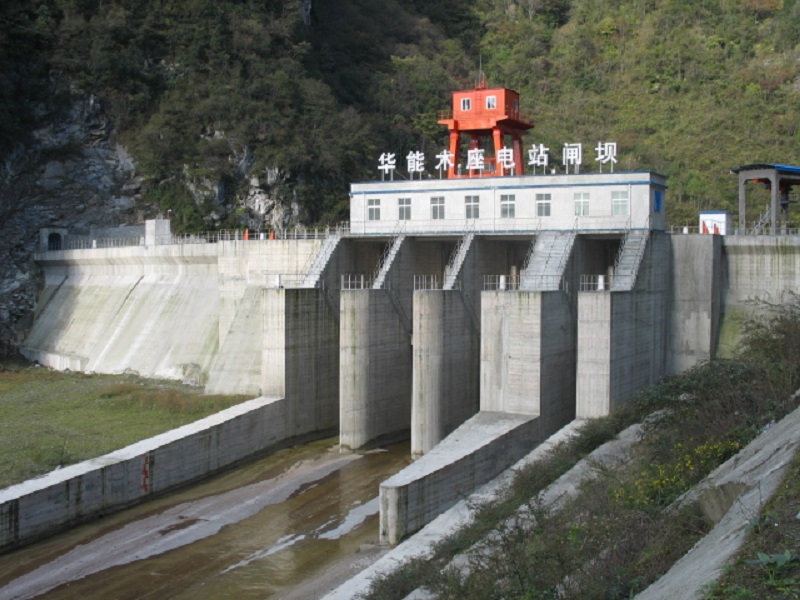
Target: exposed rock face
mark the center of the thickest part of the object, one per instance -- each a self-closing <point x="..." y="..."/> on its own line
<point x="72" y="173"/>
<point x="265" y="206"/>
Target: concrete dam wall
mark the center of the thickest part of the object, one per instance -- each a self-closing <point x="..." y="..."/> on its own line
<point x="429" y="337"/>
<point x="117" y="309"/>
<point x="163" y="311"/>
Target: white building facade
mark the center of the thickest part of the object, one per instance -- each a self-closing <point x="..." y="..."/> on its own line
<point x="576" y="202"/>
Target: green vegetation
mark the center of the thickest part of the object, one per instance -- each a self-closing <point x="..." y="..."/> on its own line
<point x="625" y="529"/>
<point x="208" y="93"/>
<point x="50" y="419"/>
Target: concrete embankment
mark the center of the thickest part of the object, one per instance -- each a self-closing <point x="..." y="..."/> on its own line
<point x="41" y="506"/>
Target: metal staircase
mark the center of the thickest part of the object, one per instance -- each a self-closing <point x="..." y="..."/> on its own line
<point x="629" y="259"/>
<point x="546" y="260"/>
<point x="392" y="248"/>
<point x="763" y="221"/>
<point x="457" y="260"/>
<point x="323" y="255"/>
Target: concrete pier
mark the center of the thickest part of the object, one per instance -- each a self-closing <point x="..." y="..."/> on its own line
<point x="375" y="369"/>
<point x="446" y="363"/>
<point x="696" y="303"/>
<point x="623" y="336"/>
<point x="301" y="358"/>
<point x="528" y="356"/>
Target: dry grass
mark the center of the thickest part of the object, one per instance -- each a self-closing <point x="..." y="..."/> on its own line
<point x="50" y="419"/>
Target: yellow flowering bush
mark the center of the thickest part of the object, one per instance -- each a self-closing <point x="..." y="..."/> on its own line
<point x="658" y="484"/>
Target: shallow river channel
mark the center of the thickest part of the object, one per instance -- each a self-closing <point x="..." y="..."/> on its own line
<point x="263" y="530"/>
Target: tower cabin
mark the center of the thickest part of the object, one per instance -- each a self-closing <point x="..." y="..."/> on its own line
<point x="488" y="116"/>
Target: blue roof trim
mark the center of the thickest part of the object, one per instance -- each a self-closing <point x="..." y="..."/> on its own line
<point x="395" y="192"/>
<point x="755" y="166"/>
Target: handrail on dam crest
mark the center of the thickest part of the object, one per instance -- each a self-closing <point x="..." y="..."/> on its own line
<point x="89" y="242"/>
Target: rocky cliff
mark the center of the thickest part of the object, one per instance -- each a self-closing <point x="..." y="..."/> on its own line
<point x="71" y="173"/>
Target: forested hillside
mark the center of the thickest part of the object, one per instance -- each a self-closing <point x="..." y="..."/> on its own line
<point x="219" y="101"/>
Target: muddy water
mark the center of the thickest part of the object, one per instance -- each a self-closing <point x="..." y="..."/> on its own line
<point x="259" y="531"/>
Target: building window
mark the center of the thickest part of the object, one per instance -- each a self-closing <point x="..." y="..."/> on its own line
<point x="581" y="204"/>
<point x="471" y="203"/>
<point x="658" y="200"/>
<point x="466" y="104"/>
<point x="437" y="208"/>
<point x="374" y="209"/>
<point x="619" y="203"/>
<point x="507" y="206"/>
<point x="404" y="209"/>
<point x="491" y="102"/>
<point x="543" y="205"/>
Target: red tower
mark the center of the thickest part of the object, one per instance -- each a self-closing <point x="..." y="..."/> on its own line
<point x="482" y="114"/>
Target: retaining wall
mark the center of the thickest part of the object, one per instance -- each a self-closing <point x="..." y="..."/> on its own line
<point x="473" y="454"/>
<point x="151" y="310"/>
<point x="191" y="312"/>
<point x="86" y="490"/>
<point x="754" y="268"/>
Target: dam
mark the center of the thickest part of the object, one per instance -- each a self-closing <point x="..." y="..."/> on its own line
<point x="475" y="338"/>
<point x="475" y="314"/>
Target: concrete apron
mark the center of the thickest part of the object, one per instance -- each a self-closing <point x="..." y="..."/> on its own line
<point x="40" y="507"/>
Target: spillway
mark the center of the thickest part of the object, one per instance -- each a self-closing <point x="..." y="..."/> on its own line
<point x="269" y="529"/>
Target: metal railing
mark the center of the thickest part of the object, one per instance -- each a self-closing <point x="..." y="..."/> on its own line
<point x="90" y="243"/>
<point x="303" y="233"/>
<point x="751" y="229"/>
<point x="545" y="283"/>
<point x="500" y="283"/>
<point x="529" y="254"/>
<point x="595" y="283"/>
<point x="389" y="251"/>
<point x="356" y="282"/>
<point x="208" y="237"/>
<point x="427" y="282"/>
<point x="316" y="261"/>
<point x="779" y="230"/>
<point x="461" y="247"/>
